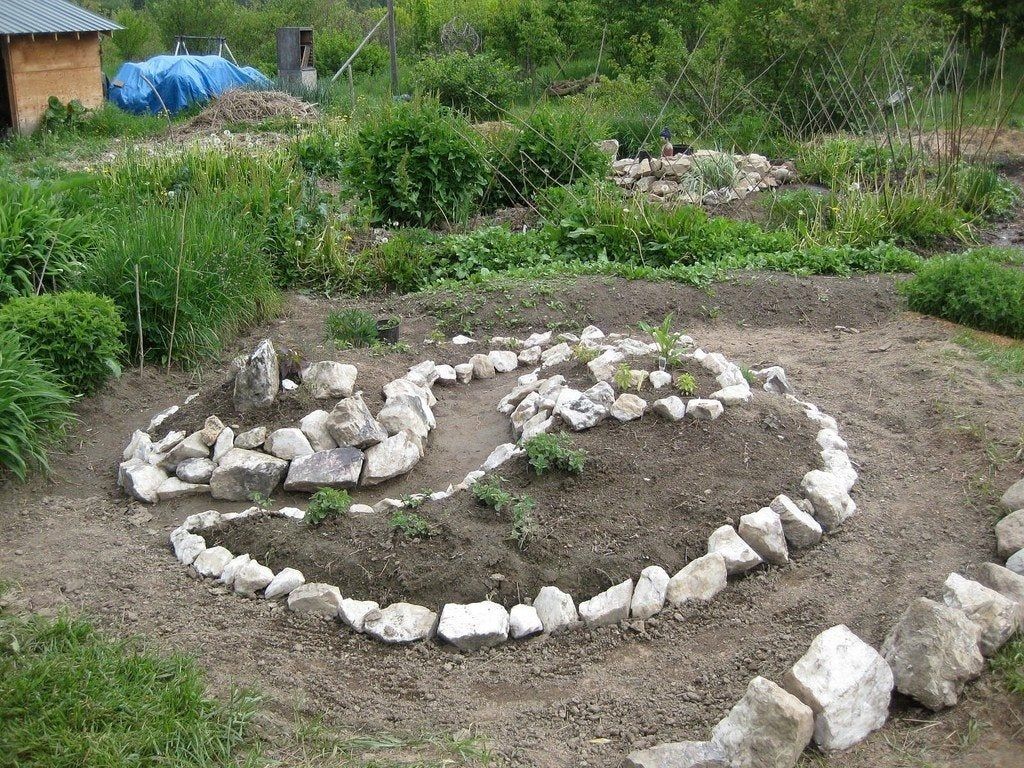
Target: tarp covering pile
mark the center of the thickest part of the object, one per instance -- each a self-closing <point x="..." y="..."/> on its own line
<point x="177" y="82"/>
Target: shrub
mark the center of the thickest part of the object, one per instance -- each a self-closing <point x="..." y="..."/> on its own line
<point x="481" y="86"/>
<point x="76" y="334"/>
<point x="403" y="263"/>
<point x="546" y="451"/>
<point x="200" y="278"/>
<point x="972" y="290"/>
<point x="417" y="162"/>
<point x="41" y="245"/>
<point x="351" y="328"/>
<point x="321" y="150"/>
<point x="34" y="409"/>
<point x="980" y="191"/>
<point x="489" y="492"/>
<point x="327" y="503"/>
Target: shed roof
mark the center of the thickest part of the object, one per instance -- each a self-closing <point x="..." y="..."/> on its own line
<point x="43" y="17"/>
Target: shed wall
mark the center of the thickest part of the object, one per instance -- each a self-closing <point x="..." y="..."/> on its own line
<point x="65" y="66"/>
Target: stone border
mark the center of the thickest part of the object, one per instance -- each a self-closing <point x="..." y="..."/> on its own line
<point x="763" y="536"/>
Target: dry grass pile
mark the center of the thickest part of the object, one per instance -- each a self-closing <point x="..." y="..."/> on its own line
<point x="243" y="106"/>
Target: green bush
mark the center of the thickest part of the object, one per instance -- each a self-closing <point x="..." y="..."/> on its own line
<point x="418" y="162"/>
<point x="322" y="149"/>
<point x="972" y="290"/>
<point x="327" y="503"/>
<point x="198" y="271"/>
<point x="403" y="263"/>
<point x="41" y="245"/>
<point x="334" y="47"/>
<point x="554" y="452"/>
<point x="980" y="191"/>
<point x="78" y="335"/>
<point x="481" y="86"/>
<point x="34" y="411"/>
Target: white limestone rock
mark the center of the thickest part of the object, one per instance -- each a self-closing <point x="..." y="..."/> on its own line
<point x="537" y="425"/>
<point x="284" y="583"/>
<point x="609" y="607"/>
<point x="197" y="471"/>
<point x="483" y="368"/>
<point x="192" y="447"/>
<point x="1013" y="498"/>
<point x="251" y="439"/>
<point x="628" y="407"/>
<point x="390" y="458"/>
<point x="406" y="386"/>
<point x="315" y="598"/>
<point x="227" y="576"/>
<point x="160" y="418"/>
<point x="242" y="473"/>
<point x="1010" y="533"/>
<point x="604" y="366"/>
<point x="314" y="427"/>
<point x="329" y="380"/>
<point x="996" y="615"/>
<point x="464" y="372"/>
<point x="524" y="622"/>
<point x="1015" y="562"/>
<point x="830" y="439"/>
<point x="556" y="355"/>
<point x="932" y="652"/>
<point x="252" y="577"/>
<point x="288" y="443"/>
<point x="498" y="456"/>
<point x="187" y="547"/>
<point x="679" y="754"/>
<point x="503" y="360"/>
<point x="1004" y="581"/>
<point x="601" y="393"/>
<point x="670" y="408"/>
<point x="538" y="339"/>
<point x="446" y="376"/>
<point x="424" y="374"/>
<point x="846" y="683"/>
<point x="659" y="379"/>
<point x="578" y="411"/>
<point x="474" y="626"/>
<point x="350" y="423"/>
<point x="739" y="556"/>
<point x="173" y="488"/>
<point x="353" y="612"/>
<point x="258" y="380"/>
<point x="649" y="593"/>
<point x="400" y="623"/>
<point x="556" y="609"/>
<point x="212" y="561"/>
<point x="530" y="355"/>
<point x="774" y="380"/>
<point x="406" y="414"/>
<point x="700" y="579"/>
<point x="734" y="394"/>
<point x="800" y="528"/>
<point x="141" y="480"/>
<point x="763" y="531"/>
<point x="767" y="728"/>
<point x="838" y="463"/>
<point x="704" y="409"/>
<point x="827" y="493"/>
<point x="139" y="447"/>
<point x="462" y="340"/>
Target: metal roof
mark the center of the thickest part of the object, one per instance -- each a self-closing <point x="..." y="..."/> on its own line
<point x="43" y="17"/>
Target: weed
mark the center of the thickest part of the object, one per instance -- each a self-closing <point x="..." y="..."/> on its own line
<point x="524" y="524"/>
<point x="489" y="492"/>
<point x="666" y="339"/>
<point x="623" y="377"/>
<point x="415" y="500"/>
<point x="748" y="375"/>
<point x="351" y="328"/>
<point x="554" y="452"/>
<point x="261" y="501"/>
<point x="409" y="524"/>
<point x="686" y="384"/>
<point x="1009" y="664"/>
<point x="1004" y="358"/>
<point x="327" y="503"/>
<point x="584" y="353"/>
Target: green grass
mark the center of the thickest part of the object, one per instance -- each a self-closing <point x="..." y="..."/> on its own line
<point x="1002" y="358"/>
<point x="71" y="697"/>
<point x="1009" y="665"/>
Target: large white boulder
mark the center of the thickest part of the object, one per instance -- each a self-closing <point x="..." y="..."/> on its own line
<point x="288" y="443"/>
<point x="329" y="380"/>
<point x="763" y="531"/>
<point x="227" y="576"/>
<point x="604" y="366"/>
<point x="846" y="683"/>
<point x="187" y="547"/>
<point x="555" y="608"/>
<point x="406" y="386"/>
<point x="390" y="458"/>
<point x="996" y="615"/>
<point x="829" y="497"/>
<point x="524" y="621"/>
<point x="141" y="480"/>
<point x="284" y="583"/>
<point x="734" y="394"/>
<point x="400" y="623"/>
<point x="258" y="380"/>
<point x="609" y="607"/>
<point x="933" y="651"/>
<point x="243" y="473"/>
<point x="649" y="592"/>
<point x="251" y="577"/>
<point x="579" y="411"/>
<point x="314" y="427"/>
<point x="498" y="456"/>
<point x="739" y="556"/>
<point x="315" y="598"/>
<point x="354" y="612"/>
<point x="503" y="360"/>
<point x="474" y="626"/>
<point x="196" y="471"/>
<point x="670" y="408"/>
<point x="211" y="562"/>
<point x="800" y="528"/>
<point x="405" y="413"/>
<point x="628" y="407"/>
<point x="483" y="368"/>
<point x="767" y="728"/>
<point x="350" y="423"/>
<point x="700" y="579"/>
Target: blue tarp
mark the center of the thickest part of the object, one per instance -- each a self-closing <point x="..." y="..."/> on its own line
<point x="176" y="82"/>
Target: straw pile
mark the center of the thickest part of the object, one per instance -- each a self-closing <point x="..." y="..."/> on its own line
<point x="243" y="106"/>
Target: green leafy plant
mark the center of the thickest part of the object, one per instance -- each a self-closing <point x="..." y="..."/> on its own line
<point x="554" y="452"/>
<point x="748" y="375"/>
<point x="524" y="524"/>
<point x="585" y="353"/>
<point x="666" y="339"/>
<point x="327" y="503"/>
<point x="352" y="328"/>
<point x="34" y="409"/>
<point x="59" y="115"/>
<point x="481" y="86"/>
<point x="488" y="491"/>
<point x="623" y="377"/>
<point x="686" y="384"/>
<point x="260" y="500"/>
<point x="710" y="172"/>
<point x="76" y="334"/>
<point x="415" y="500"/>
<point x="409" y="524"/>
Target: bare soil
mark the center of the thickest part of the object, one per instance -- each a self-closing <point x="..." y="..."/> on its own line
<point x="933" y="431"/>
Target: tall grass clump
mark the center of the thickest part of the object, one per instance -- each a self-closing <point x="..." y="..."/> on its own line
<point x="34" y="412"/>
<point x="970" y="289"/>
<point x="190" y="275"/>
<point x="418" y="163"/>
<point x="70" y="697"/>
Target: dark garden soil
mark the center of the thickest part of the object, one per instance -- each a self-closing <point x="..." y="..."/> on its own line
<point x="933" y="431"/>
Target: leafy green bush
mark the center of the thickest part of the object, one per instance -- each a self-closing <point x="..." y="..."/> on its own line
<point x="489" y="250"/>
<point x="418" y="163"/>
<point x="972" y="290"/>
<point x="403" y="263"/>
<point x="554" y="452"/>
<point x="42" y="246"/>
<point x="481" y="85"/>
<point x="198" y="272"/>
<point x="76" y="334"/>
<point x="334" y="47"/>
<point x="327" y="503"/>
<point x="321" y="150"/>
<point x="34" y="411"/>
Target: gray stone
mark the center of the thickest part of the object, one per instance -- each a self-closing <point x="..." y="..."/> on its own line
<point x="139" y="447"/>
<point x="141" y="480"/>
<point x="537" y="425"/>
<point x="160" y="418"/>
<point x="242" y="473"/>
<point x="671" y="408"/>
<point x="649" y="593"/>
<point x="800" y="528"/>
<point x="168" y="441"/>
<point x="400" y="623"/>
<point x="329" y="380"/>
<point x="1004" y="581"/>
<point x="1013" y="498"/>
<point x="831" y="501"/>
<point x="774" y="378"/>
<point x="659" y="379"/>
<point x="739" y="556"/>
<point x="211" y="430"/>
<point x="288" y="443"/>
<point x="354" y="612"/>
<point x="390" y="458"/>
<point x="196" y="470"/>
<point x="192" y="447"/>
<point x="604" y="366"/>
<point x="474" y="626"/>
<point x="700" y="579"/>
<point x="601" y="393"/>
<point x="679" y="754"/>
<point x="524" y="622"/>
<point x="933" y="651"/>
<point x="530" y="355"/>
<point x="336" y="468"/>
<point x="173" y="488"/>
<point x="211" y="562"/>
<point x="609" y="607"/>
<point x="556" y="609"/>
<point x="482" y="367"/>
<point x="251" y="439"/>
<point x="762" y="530"/>
<point x="284" y="583"/>
<point x="556" y="355"/>
<point x="628" y="407"/>
<point x="1015" y="562"/>
<point x="704" y="410"/>
<point x="846" y="683"/>
<point x="406" y="413"/>
<point x="995" y="614"/>
<point x="352" y="424"/>
<point x="1010" y="534"/>
<point x="314" y="427"/>
<point x="503" y="360"/>
<point x="258" y="380"/>
<point x="767" y="728"/>
<point x="578" y="411"/>
<point x="252" y="577"/>
<point x="315" y="598"/>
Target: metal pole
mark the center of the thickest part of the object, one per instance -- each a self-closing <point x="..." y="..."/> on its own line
<point x="393" y="47"/>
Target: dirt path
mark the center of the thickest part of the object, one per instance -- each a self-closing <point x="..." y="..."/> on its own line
<point x="922" y="417"/>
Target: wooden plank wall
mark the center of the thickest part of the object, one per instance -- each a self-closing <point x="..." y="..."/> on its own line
<point x="67" y="67"/>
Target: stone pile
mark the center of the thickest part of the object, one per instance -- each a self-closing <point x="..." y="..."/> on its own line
<point x="695" y="178"/>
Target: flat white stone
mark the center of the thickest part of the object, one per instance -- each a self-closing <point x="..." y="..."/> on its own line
<point x="671" y="408"/>
<point x="196" y="471"/>
<point x="829" y="438"/>
<point x="739" y="556"/>
<point x="556" y="609"/>
<point x="242" y="473"/>
<point x="474" y="626"/>
<point x="188" y="547"/>
<point x="734" y="394"/>
<point x="160" y="418"/>
<point x="700" y="579"/>
<point x="524" y="622"/>
<point x="838" y="463"/>
<point x="659" y="379"/>
<point x="357" y="510"/>
<point x="846" y="683"/>
<point x="400" y="623"/>
<point x="329" y="380"/>
<point x="767" y="728"/>
<point x="679" y="754"/>
<point x="315" y="598"/>
<point x="284" y="583"/>
<point x="800" y="528"/>
<point x="141" y="480"/>
<point x="251" y="439"/>
<point x="703" y="409"/>
<point x="252" y="577"/>
<point x="503" y="360"/>
<point x="762" y="530"/>
<point x="173" y="488"/>
<point x="288" y="443"/>
<point x="211" y="562"/>
<point x="604" y="366"/>
<point x="353" y="612"/>
<point x="498" y="456"/>
<point x="628" y="407"/>
<point x="996" y="615"/>
<point x="649" y="593"/>
<point x="609" y="607"/>
<point x="530" y="355"/>
<point x="462" y="340"/>
<point x="831" y="501"/>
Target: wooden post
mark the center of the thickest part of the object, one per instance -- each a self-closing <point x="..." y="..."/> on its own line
<point x="393" y="47"/>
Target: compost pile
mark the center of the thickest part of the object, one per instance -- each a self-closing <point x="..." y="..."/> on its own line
<point x="244" y="106"/>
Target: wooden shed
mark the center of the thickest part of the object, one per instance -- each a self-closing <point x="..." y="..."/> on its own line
<point x="47" y="48"/>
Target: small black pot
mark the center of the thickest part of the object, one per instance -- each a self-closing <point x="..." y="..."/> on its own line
<point x="387" y="329"/>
